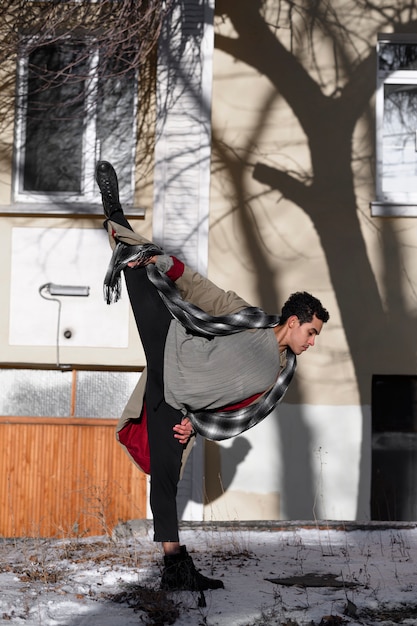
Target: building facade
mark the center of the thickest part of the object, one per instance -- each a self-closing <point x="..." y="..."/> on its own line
<point x="283" y="159"/>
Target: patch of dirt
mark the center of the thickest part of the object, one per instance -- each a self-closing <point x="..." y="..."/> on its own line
<point x="159" y="608"/>
<point x="392" y="615"/>
<point x="313" y="580"/>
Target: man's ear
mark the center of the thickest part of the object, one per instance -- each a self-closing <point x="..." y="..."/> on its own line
<point x="292" y="320"/>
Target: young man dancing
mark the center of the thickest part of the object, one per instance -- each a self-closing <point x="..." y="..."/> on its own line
<point x="215" y="366"/>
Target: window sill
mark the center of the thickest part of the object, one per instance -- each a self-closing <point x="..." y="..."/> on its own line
<point x="56" y="209"/>
<point x="392" y="209"/>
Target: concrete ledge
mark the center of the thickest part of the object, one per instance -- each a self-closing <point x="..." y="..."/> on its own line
<point x="143" y="527"/>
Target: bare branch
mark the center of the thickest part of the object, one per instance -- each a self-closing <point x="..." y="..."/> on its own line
<point x="125" y="34"/>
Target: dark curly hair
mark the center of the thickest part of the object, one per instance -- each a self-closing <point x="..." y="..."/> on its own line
<point x="304" y="306"/>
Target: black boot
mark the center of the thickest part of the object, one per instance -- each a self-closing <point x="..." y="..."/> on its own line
<point x="180" y="573"/>
<point x="106" y="178"/>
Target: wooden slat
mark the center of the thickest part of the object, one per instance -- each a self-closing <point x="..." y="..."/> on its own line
<point x="63" y="476"/>
<point x="79" y="421"/>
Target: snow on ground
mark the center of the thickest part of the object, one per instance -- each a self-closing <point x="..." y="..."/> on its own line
<point x="363" y="575"/>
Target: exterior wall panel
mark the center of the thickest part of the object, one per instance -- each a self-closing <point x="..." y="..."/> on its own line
<point x="64" y="477"/>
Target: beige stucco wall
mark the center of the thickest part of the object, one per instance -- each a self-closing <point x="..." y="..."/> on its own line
<point x="266" y="246"/>
<point x="288" y="252"/>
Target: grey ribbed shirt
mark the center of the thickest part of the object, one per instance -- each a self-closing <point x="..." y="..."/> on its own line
<point x="212" y="373"/>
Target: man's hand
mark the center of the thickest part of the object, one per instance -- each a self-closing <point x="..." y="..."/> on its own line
<point x="183" y="431"/>
<point x="151" y="259"/>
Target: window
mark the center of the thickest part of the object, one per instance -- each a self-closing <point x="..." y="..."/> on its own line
<point x="65" y="393"/>
<point x="396" y="118"/>
<point x="70" y="113"/>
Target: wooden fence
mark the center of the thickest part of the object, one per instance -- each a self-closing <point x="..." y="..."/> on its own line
<point x="64" y="477"/>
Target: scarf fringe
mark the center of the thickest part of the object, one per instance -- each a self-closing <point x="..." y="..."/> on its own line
<point x="122" y="255"/>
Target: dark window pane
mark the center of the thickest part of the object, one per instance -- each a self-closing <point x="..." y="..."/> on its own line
<point x="115" y="119"/>
<point x="399" y="138"/>
<point x="393" y="56"/>
<point x="57" y="76"/>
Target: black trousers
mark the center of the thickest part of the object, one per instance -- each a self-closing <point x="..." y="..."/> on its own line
<point x="153" y="320"/>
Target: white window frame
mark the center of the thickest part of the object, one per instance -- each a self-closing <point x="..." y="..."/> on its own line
<point x="394" y="203"/>
<point x="91" y="149"/>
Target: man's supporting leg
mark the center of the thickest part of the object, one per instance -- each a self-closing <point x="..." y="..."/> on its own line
<point x="153" y="320"/>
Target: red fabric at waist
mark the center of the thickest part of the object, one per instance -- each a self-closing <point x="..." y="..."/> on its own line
<point x="134" y="436"/>
<point x="242" y="403"/>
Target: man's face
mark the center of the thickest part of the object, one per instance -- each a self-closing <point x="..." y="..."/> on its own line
<point x="302" y="336"/>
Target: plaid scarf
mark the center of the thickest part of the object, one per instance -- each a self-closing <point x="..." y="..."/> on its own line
<point x="211" y="424"/>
